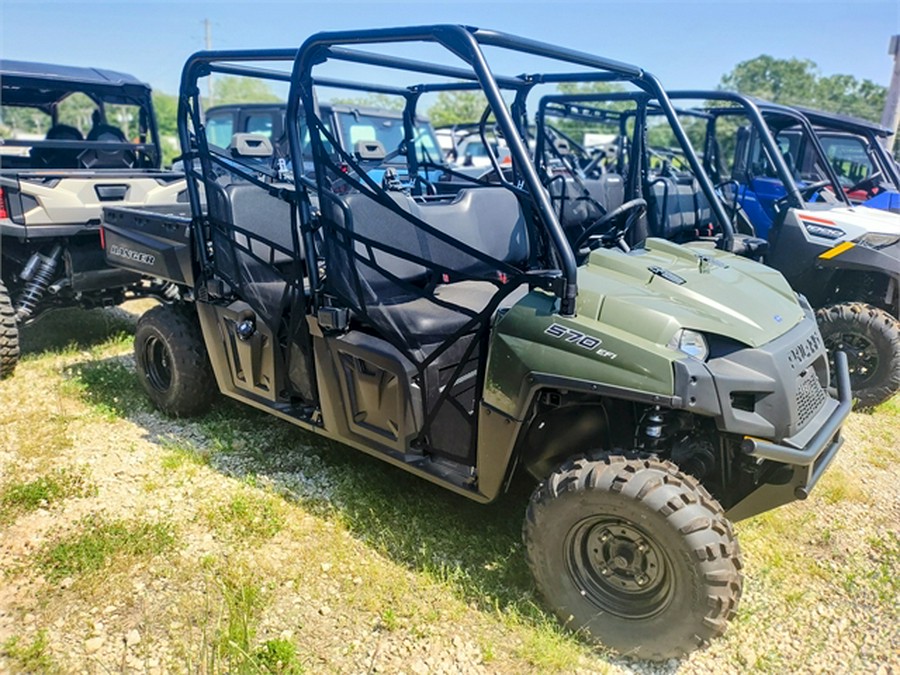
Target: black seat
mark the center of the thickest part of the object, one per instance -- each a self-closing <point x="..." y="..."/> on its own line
<point x="679" y="210"/>
<point x="58" y="158"/>
<point x="107" y="159"/>
<point x="585" y="201"/>
<point x="266" y="216"/>
<point x="405" y="296"/>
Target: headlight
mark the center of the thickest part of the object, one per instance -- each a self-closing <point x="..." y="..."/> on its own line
<point x="691" y="343"/>
<point x="823" y="231"/>
<point x="878" y="241"/>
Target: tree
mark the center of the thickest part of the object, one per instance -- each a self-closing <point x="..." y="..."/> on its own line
<point x="798" y="82"/>
<point x="588" y="87"/>
<point x="380" y="101"/>
<point x="166" y="108"/>
<point x="243" y="90"/>
<point x="457" y="107"/>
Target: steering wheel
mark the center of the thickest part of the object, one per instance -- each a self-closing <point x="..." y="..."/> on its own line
<point x="617" y="233"/>
<point x="808" y="191"/>
<point x="866" y="183"/>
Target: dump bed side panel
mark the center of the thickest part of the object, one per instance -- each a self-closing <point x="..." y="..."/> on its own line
<point x="155" y="241"/>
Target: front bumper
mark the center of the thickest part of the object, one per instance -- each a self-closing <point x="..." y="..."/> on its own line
<point x="808" y="462"/>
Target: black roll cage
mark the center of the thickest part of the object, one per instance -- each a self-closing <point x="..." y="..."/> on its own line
<point x="756" y="110"/>
<point x="465" y="43"/>
<point x="128" y="93"/>
<point x="872" y="133"/>
<point x="576" y="106"/>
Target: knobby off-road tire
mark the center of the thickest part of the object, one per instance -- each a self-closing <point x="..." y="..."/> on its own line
<point x="871" y="339"/>
<point x="172" y="362"/>
<point x="9" y="335"/>
<point x="635" y="553"/>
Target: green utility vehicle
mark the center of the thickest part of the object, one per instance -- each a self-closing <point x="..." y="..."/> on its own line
<point x="655" y="395"/>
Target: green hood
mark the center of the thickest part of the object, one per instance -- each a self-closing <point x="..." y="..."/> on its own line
<point x="655" y="292"/>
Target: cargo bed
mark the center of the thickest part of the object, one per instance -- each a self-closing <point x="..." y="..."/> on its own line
<point x="154" y="241"/>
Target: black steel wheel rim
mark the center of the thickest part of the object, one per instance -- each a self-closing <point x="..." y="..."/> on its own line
<point x="156" y="364"/>
<point x="619" y="568"/>
<point x="862" y="355"/>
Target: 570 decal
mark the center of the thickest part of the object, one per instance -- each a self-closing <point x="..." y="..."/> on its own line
<point x="583" y="340"/>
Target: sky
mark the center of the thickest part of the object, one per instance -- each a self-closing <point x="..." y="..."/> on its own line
<point x="685" y="44"/>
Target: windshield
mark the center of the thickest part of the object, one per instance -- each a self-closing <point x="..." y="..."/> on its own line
<point x="355" y="127"/>
<point x="848" y="155"/>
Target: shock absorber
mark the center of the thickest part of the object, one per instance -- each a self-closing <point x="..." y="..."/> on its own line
<point x="38" y="273"/>
<point x="652" y="430"/>
<point x="171" y="291"/>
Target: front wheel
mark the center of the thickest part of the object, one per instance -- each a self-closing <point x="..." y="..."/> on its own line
<point x="635" y="553"/>
<point x="871" y="339"/>
<point x="172" y="361"/>
<point x="9" y="335"/>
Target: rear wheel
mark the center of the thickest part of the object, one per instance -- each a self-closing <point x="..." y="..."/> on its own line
<point x="871" y="339"/>
<point x="172" y="362"/>
<point x="9" y="335"/>
<point x="635" y="553"/>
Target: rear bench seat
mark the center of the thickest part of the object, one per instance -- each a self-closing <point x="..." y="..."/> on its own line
<point x="489" y="220"/>
<point x="678" y="209"/>
<point x="580" y="210"/>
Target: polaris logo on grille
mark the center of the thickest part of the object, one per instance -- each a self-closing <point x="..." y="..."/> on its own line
<point x="132" y="255"/>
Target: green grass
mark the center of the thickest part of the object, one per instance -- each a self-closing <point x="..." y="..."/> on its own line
<point x="33" y="657"/>
<point x="473" y="550"/>
<point x="18" y="497"/>
<point x="182" y="455"/>
<point x="96" y="543"/>
<point x="230" y="644"/>
<point x="463" y="556"/>
<point x="74" y="330"/>
<point x="110" y="388"/>
<point x="247" y="514"/>
<point x="883" y="571"/>
<point x="278" y="657"/>
<point x="244" y="601"/>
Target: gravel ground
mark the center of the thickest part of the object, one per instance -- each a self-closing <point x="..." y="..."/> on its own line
<point x="828" y="604"/>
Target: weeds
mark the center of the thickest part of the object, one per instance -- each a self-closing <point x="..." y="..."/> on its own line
<point x="278" y="657"/>
<point x="97" y="542"/>
<point x="29" y="658"/>
<point x="248" y="514"/>
<point x="107" y="386"/>
<point x="17" y="497"/>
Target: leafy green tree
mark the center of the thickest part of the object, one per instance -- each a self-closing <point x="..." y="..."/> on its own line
<point x="242" y="90"/>
<point x="798" y="82"/>
<point x="457" y="107"/>
<point x="166" y="108"/>
<point x="381" y="101"/>
<point x="576" y="129"/>
<point x="588" y="87"/>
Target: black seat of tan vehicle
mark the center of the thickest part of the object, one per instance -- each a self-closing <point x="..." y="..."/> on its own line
<point x="678" y="209"/>
<point x="576" y="209"/>
<point x="396" y="290"/>
<point x="260" y="213"/>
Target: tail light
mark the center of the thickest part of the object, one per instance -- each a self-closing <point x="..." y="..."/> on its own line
<point x="102" y="238"/>
<point x="4" y="212"/>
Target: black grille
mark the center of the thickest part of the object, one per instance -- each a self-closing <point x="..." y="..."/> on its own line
<point x="810" y="396"/>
